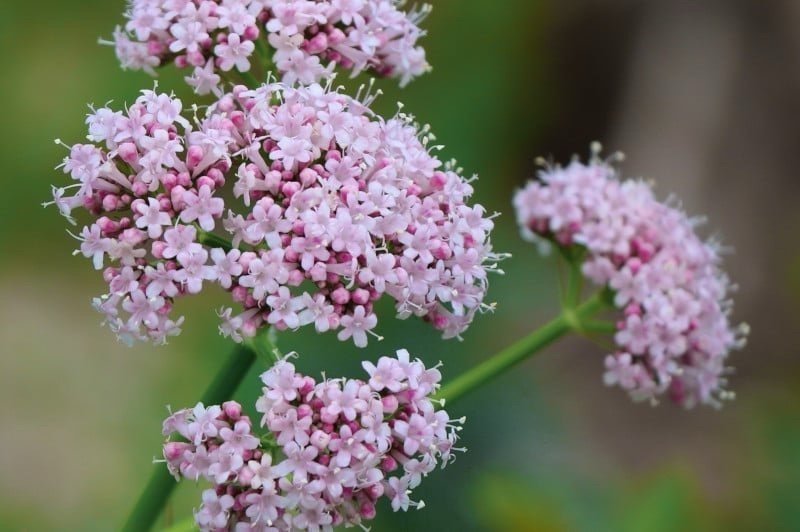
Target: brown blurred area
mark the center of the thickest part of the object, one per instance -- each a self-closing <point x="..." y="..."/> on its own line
<point x="703" y="97"/>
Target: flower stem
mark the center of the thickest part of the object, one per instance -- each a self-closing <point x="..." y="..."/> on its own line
<point x="212" y="240"/>
<point x="161" y="484"/>
<point x="570" y="319"/>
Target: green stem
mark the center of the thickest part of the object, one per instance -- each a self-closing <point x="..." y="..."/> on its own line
<point x="522" y="349"/>
<point x="212" y="240"/>
<point x="574" y="284"/>
<point x="161" y="484"/>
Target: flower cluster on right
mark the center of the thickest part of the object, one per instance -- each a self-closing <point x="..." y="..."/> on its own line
<point x="675" y="335"/>
<point x="343" y="443"/>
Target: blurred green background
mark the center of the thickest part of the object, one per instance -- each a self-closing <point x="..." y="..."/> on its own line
<point x="702" y="96"/>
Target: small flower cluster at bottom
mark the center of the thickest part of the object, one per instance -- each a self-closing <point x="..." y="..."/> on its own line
<point x="332" y="450"/>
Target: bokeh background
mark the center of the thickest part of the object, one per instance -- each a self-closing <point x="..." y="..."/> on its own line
<point x="704" y="97"/>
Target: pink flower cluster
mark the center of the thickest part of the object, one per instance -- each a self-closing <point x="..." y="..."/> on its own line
<point x="333" y="449"/>
<point x="331" y="208"/>
<point x="675" y="334"/>
<point x="216" y="36"/>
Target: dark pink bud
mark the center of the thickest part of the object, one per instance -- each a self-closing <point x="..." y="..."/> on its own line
<point x="155" y="47"/>
<point x="374" y="491"/>
<point x="320" y="439"/>
<point x="111" y="202"/>
<point x="388" y="464"/>
<point x="367" y="510"/>
<point x="226" y="103"/>
<point x="327" y="417"/>
<point x="205" y="180"/>
<point x="109" y="274"/>
<point x="360" y="296"/>
<point x="246" y="258"/>
<point x="245" y="476"/>
<point x="296" y="277"/>
<point x="340" y="296"/>
<point x="317" y="44"/>
<point x="438" y="180"/>
<point x="232" y="409"/>
<point x="306" y="387"/>
<point x="290" y="255"/>
<point x="176" y="196"/>
<point x="390" y="404"/>
<point x="250" y="33"/>
<point x="173" y="450"/>
<point x="184" y="179"/>
<point x="333" y="321"/>
<point x="249" y="328"/>
<point x="239" y="293"/>
<point x="138" y="188"/>
<point x="158" y="249"/>
<point x="127" y="152"/>
<point x="193" y="156"/>
<point x="238" y="119"/>
<point x="633" y="309"/>
<point x="441" y="250"/>
<point x="439" y="321"/>
<point x="107" y="225"/>
<point x="308" y="177"/>
<point x="290" y="188"/>
<point x="298" y="227"/>
<point x="195" y="58"/>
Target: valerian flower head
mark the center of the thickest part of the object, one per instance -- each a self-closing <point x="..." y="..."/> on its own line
<point x="332" y="448"/>
<point x="674" y="334"/>
<point x="303" y="39"/>
<point x="324" y="207"/>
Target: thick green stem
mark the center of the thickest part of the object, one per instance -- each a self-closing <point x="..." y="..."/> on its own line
<point x="574" y="284"/>
<point x="212" y="240"/>
<point x="161" y="484"/>
<point x="569" y="319"/>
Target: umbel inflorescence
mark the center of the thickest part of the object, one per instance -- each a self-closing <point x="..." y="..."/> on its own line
<point x="332" y="448"/>
<point x="323" y="205"/>
<point x="304" y="39"/>
<point x="674" y="335"/>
